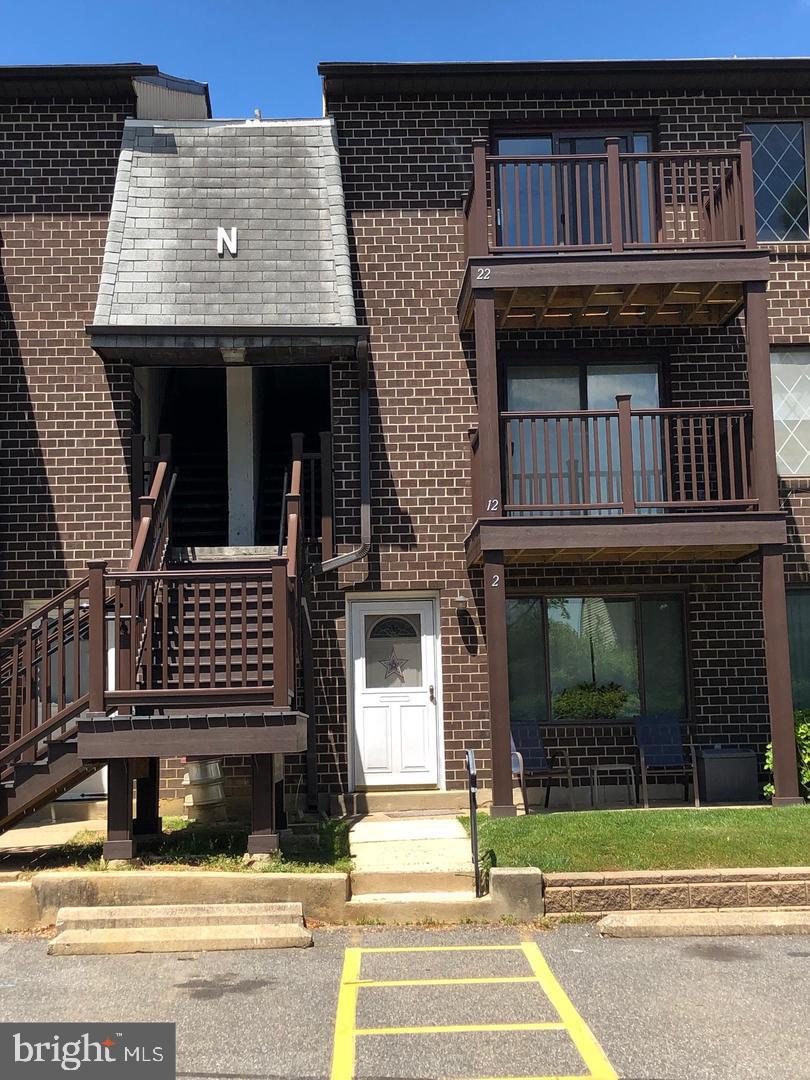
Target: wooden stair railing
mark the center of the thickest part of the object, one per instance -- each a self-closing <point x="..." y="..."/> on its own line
<point x="191" y="638"/>
<point x="46" y="658"/>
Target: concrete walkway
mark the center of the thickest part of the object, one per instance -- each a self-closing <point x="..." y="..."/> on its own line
<point x="42" y="835"/>
<point x="388" y="842"/>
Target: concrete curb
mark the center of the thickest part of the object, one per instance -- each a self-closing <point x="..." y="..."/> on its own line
<point x="656" y="924"/>
<point x="322" y="896"/>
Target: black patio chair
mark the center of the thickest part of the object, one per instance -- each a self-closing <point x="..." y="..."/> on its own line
<point x="532" y="765"/>
<point x="663" y="751"/>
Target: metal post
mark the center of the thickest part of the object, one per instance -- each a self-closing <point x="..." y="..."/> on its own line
<point x="472" y="780"/>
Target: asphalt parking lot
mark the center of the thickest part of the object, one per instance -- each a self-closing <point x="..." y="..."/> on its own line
<point x="467" y="1002"/>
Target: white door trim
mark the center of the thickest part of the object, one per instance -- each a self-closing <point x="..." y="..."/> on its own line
<point x="385" y="601"/>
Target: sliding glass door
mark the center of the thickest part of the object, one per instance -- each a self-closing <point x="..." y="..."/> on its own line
<point x="563" y="203"/>
<point x="573" y="461"/>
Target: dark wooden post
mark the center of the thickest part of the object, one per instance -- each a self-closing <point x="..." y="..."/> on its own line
<point x="327" y="497"/>
<point x="308" y="664"/>
<point x="263" y="839"/>
<point x="749" y="214"/>
<point x="498" y="675"/>
<point x="614" y="186"/>
<point x="98" y="636"/>
<point x="489" y="433"/>
<point x="626" y="453"/>
<point x="774" y="607"/>
<point x="477" y="224"/>
<point x="147" y="822"/>
<point x="281" y="698"/>
<point x="120" y="843"/>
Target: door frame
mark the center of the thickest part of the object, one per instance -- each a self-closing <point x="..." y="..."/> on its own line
<point x="383" y="599"/>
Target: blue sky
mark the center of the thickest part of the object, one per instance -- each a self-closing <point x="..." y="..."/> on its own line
<point x="263" y="53"/>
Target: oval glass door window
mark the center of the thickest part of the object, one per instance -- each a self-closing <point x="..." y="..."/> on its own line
<point x="393" y="651"/>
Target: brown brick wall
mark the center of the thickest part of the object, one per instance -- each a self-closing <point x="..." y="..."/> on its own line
<point x="406" y="163"/>
<point x="64" y="415"/>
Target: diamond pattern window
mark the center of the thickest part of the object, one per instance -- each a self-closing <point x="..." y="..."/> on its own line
<point x="780" y="181"/>
<point x="790" y="379"/>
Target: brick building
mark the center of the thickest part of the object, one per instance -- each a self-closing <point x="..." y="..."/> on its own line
<point x="485" y="397"/>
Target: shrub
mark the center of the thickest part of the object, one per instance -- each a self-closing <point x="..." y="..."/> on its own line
<point x="590" y="702"/>
<point x="802" y="720"/>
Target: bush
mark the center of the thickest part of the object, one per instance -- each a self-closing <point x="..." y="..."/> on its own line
<point x="590" y="702"/>
<point x="802" y="720"/>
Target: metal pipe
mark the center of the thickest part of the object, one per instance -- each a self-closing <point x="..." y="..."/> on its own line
<point x="364" y="547"/>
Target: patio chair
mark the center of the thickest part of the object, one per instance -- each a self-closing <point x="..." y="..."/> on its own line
<point x="531" y="764"/>
<point x="663" y="751"/>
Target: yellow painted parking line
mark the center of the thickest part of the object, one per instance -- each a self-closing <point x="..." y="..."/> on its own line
<point x="581" y="1035"/>
<point x="551" y="1025"/>
<point x="441" y="948"/>
<point x="446" y="982"/>
<point x="344" y="1053"/>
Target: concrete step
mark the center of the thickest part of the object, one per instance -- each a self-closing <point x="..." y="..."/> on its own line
<point x="364" y="882"/>
<point x="418" y="907"/>
<point x="199" y="938"/>
<point x="377" y="802"/>
<point x="169" y="915"/>
<point x="730" y="923"/>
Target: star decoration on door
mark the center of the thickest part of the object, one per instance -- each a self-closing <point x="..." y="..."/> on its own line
<point x="394" y="666"/>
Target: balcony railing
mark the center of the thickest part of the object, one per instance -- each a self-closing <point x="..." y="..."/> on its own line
<point x="627" y="461"/>
<point x="611" y="202"/>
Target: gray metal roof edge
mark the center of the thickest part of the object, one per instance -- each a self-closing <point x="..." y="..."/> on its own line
<point x="250" y="330"/>
<point x="213" y="121"/>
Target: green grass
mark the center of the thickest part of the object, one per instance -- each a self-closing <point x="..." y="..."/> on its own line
<point x="186" y="845"/>
<point x="648" y="839"/>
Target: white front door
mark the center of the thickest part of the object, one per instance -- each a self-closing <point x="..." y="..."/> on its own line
<point x="395" y="716"/>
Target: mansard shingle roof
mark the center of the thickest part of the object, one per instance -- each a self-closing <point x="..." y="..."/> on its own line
<point x="277" y="182"/>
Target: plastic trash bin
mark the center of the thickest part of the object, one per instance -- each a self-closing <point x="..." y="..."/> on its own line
<point x="727" y="774"/>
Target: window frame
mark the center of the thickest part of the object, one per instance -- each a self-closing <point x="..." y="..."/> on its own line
<point x="581" y="359"/>
<point x="593" y="128"/>
<point x="683" y="592"/>
<point x="801" y="588"/>
<point x="788" y="478"/>
<point x="780" y="118"/>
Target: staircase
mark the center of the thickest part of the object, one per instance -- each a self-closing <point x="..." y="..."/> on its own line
<point x="144" y="643"/>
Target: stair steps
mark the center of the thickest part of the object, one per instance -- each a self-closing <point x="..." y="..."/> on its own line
<point x="90" y="931"/>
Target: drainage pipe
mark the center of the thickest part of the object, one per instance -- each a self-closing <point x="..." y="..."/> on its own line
<point x="364" y="547"/>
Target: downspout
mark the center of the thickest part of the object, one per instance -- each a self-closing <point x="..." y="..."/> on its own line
<point x="363" y="549"/>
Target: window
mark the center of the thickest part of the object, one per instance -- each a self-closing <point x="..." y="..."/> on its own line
<point x="790" y="380"/>
<point x="551" y="204"/>
<point x="798" y="613"/>
<point x="575" y="453"/>
<point x="582" y="658"/>
<point x="393" y="651"/>
<point x="780" y="180"/>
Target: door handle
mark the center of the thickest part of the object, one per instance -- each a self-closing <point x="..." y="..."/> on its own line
<point x="432" y="695"/>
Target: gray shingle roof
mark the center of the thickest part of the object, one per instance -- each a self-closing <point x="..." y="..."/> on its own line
<point x="277" y="182"/>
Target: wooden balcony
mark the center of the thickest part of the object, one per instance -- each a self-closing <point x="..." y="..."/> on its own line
<point x="613" y="239"/>
<point x="624" y="485"/>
